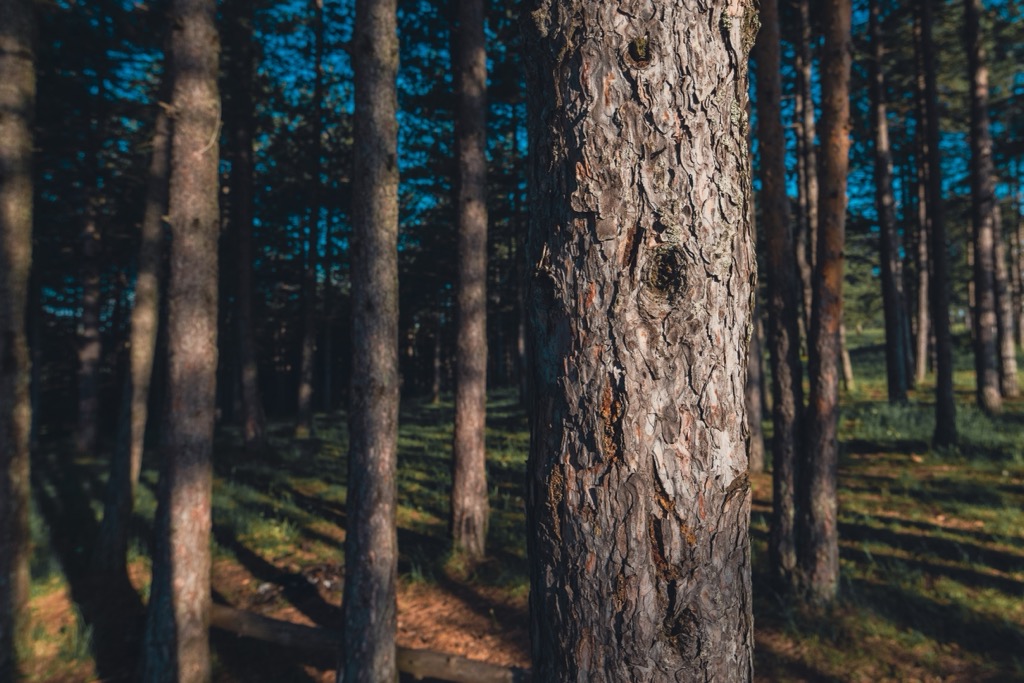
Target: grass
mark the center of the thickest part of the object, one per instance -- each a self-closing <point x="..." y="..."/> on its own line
<point x="932" y="544"/>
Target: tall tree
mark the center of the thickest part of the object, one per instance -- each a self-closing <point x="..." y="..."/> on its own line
<point x="806" y="238"/>
<point x="304" y="412"/>
<point x="112" y="543"/>
<point x="639" y="309"/>
<point x="469" y="510"/>
<point x="239" y="36"/>
<point x="818" y="503"/>
<point x="1005" y="315"/>
<point x="186" y="485"/>
<point x="371" y="541"/>
<point x="17" y="104"/>
<point x="945" y="407"/>
<point x="784" y="294"/>
<point x="892" y="281"/>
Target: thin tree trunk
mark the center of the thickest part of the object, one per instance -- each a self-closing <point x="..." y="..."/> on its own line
<point x="1008" y="383"/>
<point x="819" y="531"/>
<point x="469" y="510"/>
<point x="639" y="306"/>
<point x="945" y="406"/>
<point x="192" y="348"/>
<point x="892" y="284"/>
<point x="784" y="291"/>
<point x="755" y="381"/>
<point x="435" y="385"/>
<point x="240" y="136"/>
<point x="807" y="135"/>
<point x="109" y="554"/>
<point x="89" y="345"/>
<point x="304" y="413"/>
<point x="17" y="102"/>
<point x="923" y="262"/>
<point x="371" y="542"/>
<point x="849" y="381"/>
<point x="1017" y="263"/>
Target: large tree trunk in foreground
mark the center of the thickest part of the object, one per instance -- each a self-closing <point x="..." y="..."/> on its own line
<point x="945" y="406"/>
<point x="112" y="543"/>
<point x="192" y="344"/>
<point x="784" y="293"/>
<point x="469" y="511"/>
<point x="892" y="281"/>
<point x="638" y="500"/>
<point x="371" y="542"/>
<point x="17" y="103"/>
<point x="819" y="531"/>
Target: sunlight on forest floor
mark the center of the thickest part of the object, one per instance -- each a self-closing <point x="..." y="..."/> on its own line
<point x="932" y="549"/>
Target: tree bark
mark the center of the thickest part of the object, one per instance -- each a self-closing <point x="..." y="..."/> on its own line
<point x="819" y="532"/>
<point x="807" y="164"/>
<point x="469" y="510"/>
<point x="945" y="406"/>
<point x="639" y="310"/>
<point x="889" y="247"/>
<point x="371" y="542"/>
<point x="755" y="380"/>
<point x="192" y="340"/>
<point x="986" y="331"/>
<point x="304" y="412"/>
<point x="921" y="254"/>
<point x="17" y="104"/>
<point x="109" y="554"/>
<point x="240" y="34"/>
<point x="784" y="293"/>
<point x="1005" y="319"/>
<point x="89" y="344"/>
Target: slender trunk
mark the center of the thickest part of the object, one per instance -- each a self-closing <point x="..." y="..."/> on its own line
<point x="109" y="554"/>
<point x="755" y="381"/>
<point x="240" y="137"/>
<point x="17" y="102"/>
<point x="849" y="381"/>
<point x="945" y="407"/>
<point x="192" y="347"/>
<point x="819" y="531"/>
<point x="807" y="135"/>
<point x="639" y="308"/>
<point x="921" y="253"/>
<point x="469" y="511"/>
<point x="435" y="385"/>
<point x="371" y="543"/>
<point x="784" y="291"/>
<point x="1008" y="383"/>
<point x="1017" y="263"/>
<point x="89" y="345"/>
<point x="304" y="414"/>
<point x="889" y="247"/>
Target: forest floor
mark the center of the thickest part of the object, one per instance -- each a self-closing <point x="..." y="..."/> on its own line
<point x="932" y="550"/>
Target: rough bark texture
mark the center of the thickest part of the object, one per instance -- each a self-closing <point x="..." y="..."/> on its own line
<point x="371" y="542"/>
<point x="986" y="348"/>
<point x="112" y="542"/>
<point x="241" y="134"/>
<point x="889" y="247"/>
<point x="304" y="411"/>
<point x="639" y="314"/>
<point x="784" y="293"/>
<point x="945" y="406"/>
<point x="17" y="102"/>
<point x="819" y="533"/>
<point x="807" y="164"/>
<point x="192" y="336"/>
<point x="469" y="510"/>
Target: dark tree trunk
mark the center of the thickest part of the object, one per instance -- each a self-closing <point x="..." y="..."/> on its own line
<point x="784" y="293"/>
<point x="112" y="543"/>
<point x="755" y="380"/>
<point x="889" y="247"/>
<point x="983" y="198"/>
<point x="89" y="344"/>
<point x="945" y="407"/>
<point x="192" y="346"/>
<point x="807" y="162"/>
<point x="307" y="362"/>
<point x="435" y="384"/>
<point x="240" y="135"/>
<point x="469" y="511"/>
<point x="1017" y="260"/>
<point x="639" y="308"/>
<point x="17" y="102"/>
<point x="371" y="542"/>
<point x="819" y="531"/>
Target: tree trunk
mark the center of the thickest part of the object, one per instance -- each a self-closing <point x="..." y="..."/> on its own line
<point x="784" y="292"/>
<point x="192" y="341"/>
<point x="1008" y="383"/>
<point x="921" y="254"/>
<point x="755" y="380"/>
<point x="889" y="247"/>
<point x="304" y="412"/>
<point x="109" y="554"/>
<point x="1017" y="259"/>
<point x="819" y="531"/>
<point x="469" y="511"/>
<point x="371" y="542"/>
<point x="639" y="308"/>
<point x="945" y="407"/>
<point x="807" y="164"/>
<point x="17" y="102"/>
<point x="240" y="136"/>
<point x="89" y="345"/>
